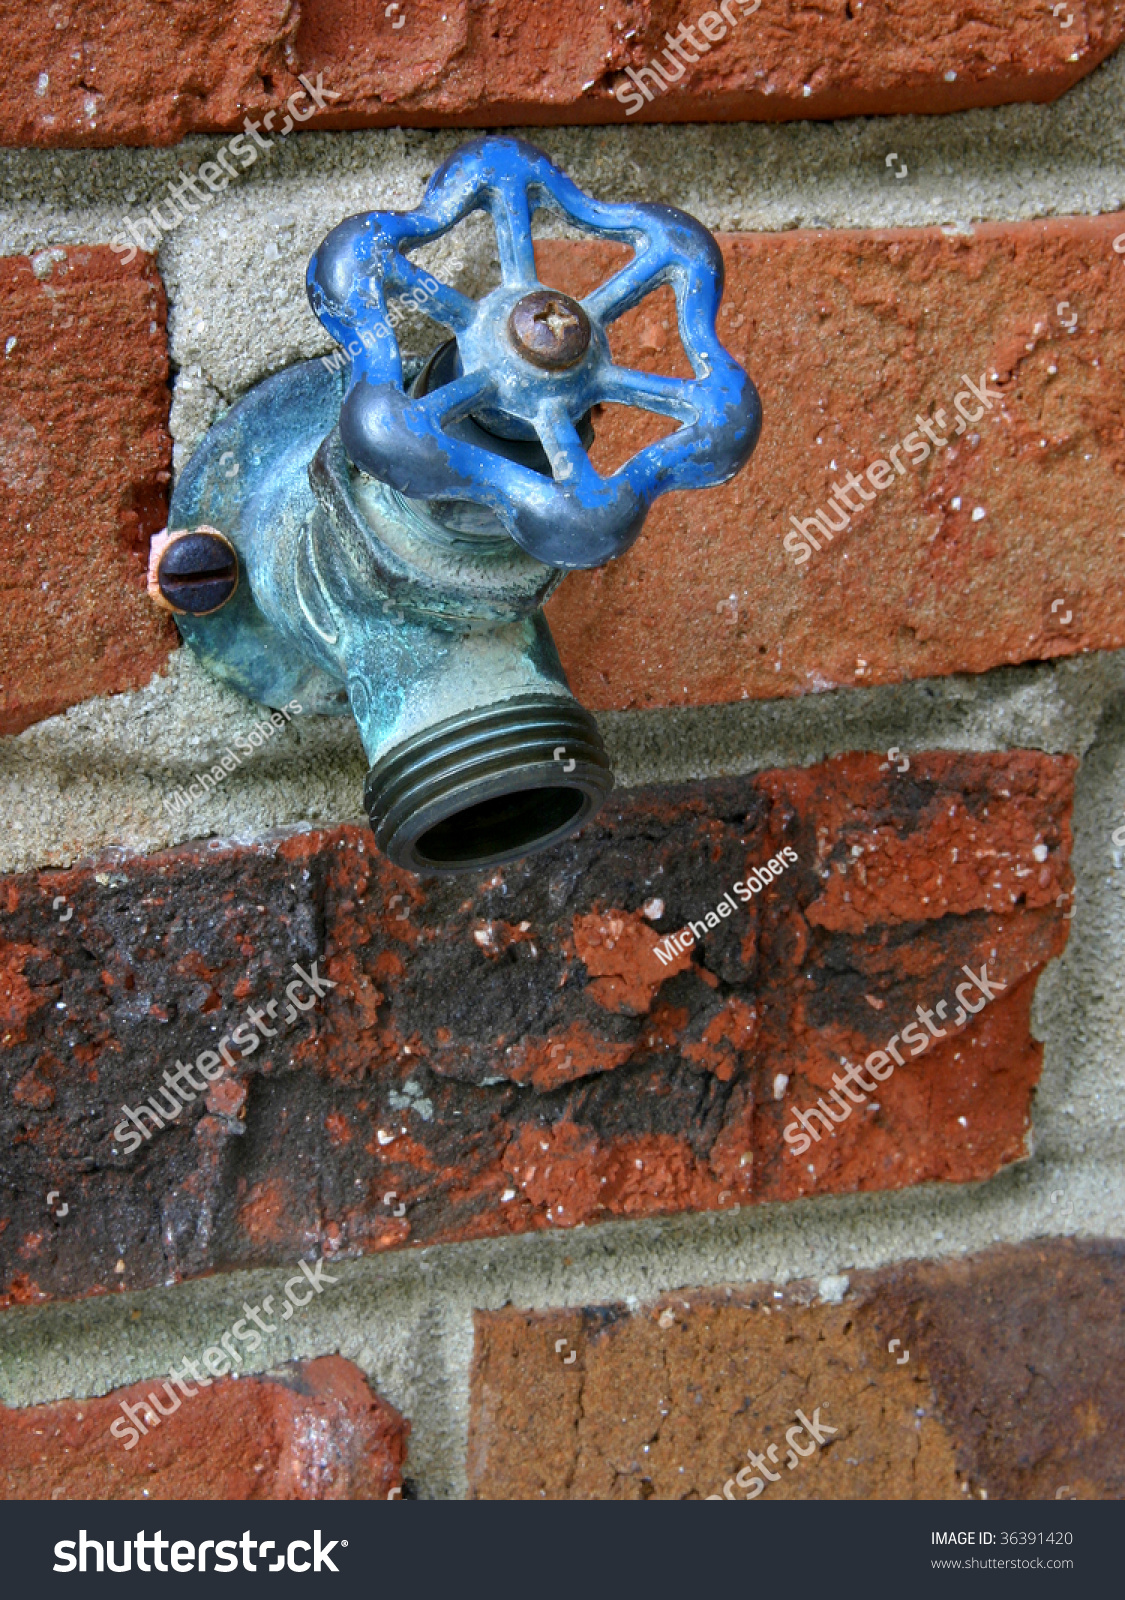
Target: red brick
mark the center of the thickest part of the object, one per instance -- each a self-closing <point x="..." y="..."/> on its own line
<point x="501" y="1054"/>
<point x="310" y="1431"/>
<point x="153" y="73"/>
<point x="85" y="456"/>
<point x="849" y="336"/>
<point x="148" y="73"/>
<point x="1005" y="1381"/>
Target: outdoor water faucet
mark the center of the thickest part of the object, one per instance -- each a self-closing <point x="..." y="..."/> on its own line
<point x="388" y="545"/>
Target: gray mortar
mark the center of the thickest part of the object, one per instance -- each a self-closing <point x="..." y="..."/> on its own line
<point x="95" y="776"/>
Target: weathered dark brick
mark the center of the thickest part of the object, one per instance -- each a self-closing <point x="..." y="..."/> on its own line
<point x="505" y="1053"/>
<point x="1006" y="1381"/>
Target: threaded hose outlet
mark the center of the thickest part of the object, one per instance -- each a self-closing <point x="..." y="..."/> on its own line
<point x="489" y="785"/>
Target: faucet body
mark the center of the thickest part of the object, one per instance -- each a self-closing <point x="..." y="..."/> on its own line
<point x="433" y="637"/>
<point x="391" y="537"/>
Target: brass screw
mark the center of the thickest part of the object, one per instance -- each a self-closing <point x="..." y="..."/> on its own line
<point x="549" y="329"/>
<point x="193" y="572"/>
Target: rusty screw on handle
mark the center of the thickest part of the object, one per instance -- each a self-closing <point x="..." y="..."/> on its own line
<point x="193" y="571"/>
<point x="549" y="329"/>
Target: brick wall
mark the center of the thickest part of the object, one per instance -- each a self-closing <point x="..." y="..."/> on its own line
<point x="516" y="1210"/>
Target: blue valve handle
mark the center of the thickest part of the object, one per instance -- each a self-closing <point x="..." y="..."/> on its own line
<point x="575" y="518"/>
